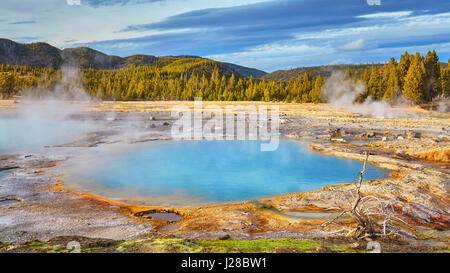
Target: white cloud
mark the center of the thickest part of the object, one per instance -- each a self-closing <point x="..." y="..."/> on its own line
<point x="378" y="15"/>
<point x="73" y="2"/>
<point x="358" y="44"/>
<point x="276" y="56"/>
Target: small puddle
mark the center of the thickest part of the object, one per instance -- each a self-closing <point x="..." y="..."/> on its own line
<point x="5" y="173"/>
<point x="308" y="215"/>
<point x="8" y="201"/>
<point x="168" y="216"/>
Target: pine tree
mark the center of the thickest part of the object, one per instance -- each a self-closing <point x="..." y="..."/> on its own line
<point x="403" y="67"/>
<point x="393" y="83"/>
<point x="376" y="85"/>
<point x="433" y="71"/>
<point x="414" y="84"/>
<point x="7" y="84"/>
<point x="445" y="81"/>
<point x="315" y="94"/>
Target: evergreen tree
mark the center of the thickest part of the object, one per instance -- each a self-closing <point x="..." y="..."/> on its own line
<point x="393" y="83"/>
<point x="445" y="81"/>
<point x="7" y="84"/>
<point x="433" y="71"/>
<point x="376" y="85"/>
<point x="414" y="84"/>
<point x="315" y="94"/>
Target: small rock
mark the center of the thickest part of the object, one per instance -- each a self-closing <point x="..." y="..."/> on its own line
<point x="369" y="134"/>
<point x="337" y="133"/>
<point x="225" y="237"/>
<point x="284" y="250"/>
<point x="152" y="118"/>
<point x="411" y="134"/>
<point x="353" y="245"/>
<point x="166" y="123"/>
<point x="323" y="249"/>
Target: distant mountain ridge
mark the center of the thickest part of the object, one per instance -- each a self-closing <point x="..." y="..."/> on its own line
<point x="44" y="55"/>
<point x="35" y="54"/>
<point x="247" y="71"/>
<point x="323" y="70"/>
<point x="314" y="71"/>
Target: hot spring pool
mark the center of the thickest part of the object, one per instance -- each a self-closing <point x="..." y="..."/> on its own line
<point x="215" y="171"/>
<point x="21" y="134"/>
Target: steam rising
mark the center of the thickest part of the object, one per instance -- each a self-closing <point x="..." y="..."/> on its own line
<point x="47" y="120"/>
<point x="444" y="106"/>
<point x="342" y="92"/>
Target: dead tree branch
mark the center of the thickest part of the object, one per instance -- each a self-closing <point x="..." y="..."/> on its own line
<point x="363" y="208"/>
<point x="362" y="223"/>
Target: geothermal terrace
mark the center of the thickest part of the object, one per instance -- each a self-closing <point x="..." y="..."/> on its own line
<point x="40" y="201"/>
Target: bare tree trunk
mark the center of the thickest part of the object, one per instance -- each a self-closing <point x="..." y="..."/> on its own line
<point x="355" y="213"/>
<point x="363" y="225"/>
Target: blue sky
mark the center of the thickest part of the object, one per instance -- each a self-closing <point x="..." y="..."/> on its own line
<point x="269" y="35"/>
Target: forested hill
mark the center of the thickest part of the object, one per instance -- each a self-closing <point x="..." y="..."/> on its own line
<point x="33" y="55"/>
<point x="314" y="71"/>
<point x="323" y="70"/>
<point x="247" y="71"/>
<point x="34" y="70"/>
<point x="43" y="55"/>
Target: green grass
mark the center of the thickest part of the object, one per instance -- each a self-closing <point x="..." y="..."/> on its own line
<point x="228" y="246"/>
<point x="194" y="246"/>
<point x="267" y="245"/>
<point x="4" y="244"/>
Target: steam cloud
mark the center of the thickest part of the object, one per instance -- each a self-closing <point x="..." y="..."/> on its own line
<point x="49" y="118"/>
<point x="341" y="92"/>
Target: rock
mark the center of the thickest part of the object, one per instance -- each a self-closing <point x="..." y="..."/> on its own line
<point x="225" y="237"/>
<point x="166" y="123"/>
<point x="411" y="134"/>
<point x="369" y="134"/>
<point x="400" y="138"/>
<point x="338" y="139"/>
<point x="284" y="250"/>
<point x="354" y="245"/>
<point x="323" y="249"/>
<point x="152" y="118"/>
<point x="337" y="133"/>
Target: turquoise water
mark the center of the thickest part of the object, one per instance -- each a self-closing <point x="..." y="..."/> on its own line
<point x="222" y="170"/>
<point x="23" y="134"/>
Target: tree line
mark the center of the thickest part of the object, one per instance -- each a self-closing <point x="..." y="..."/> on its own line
<point x="415" y="77"/>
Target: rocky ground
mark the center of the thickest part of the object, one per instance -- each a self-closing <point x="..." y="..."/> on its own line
<point x="413" y="203"/>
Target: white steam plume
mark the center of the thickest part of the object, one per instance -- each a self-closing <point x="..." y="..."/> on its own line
<point x="342" y="92"/>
